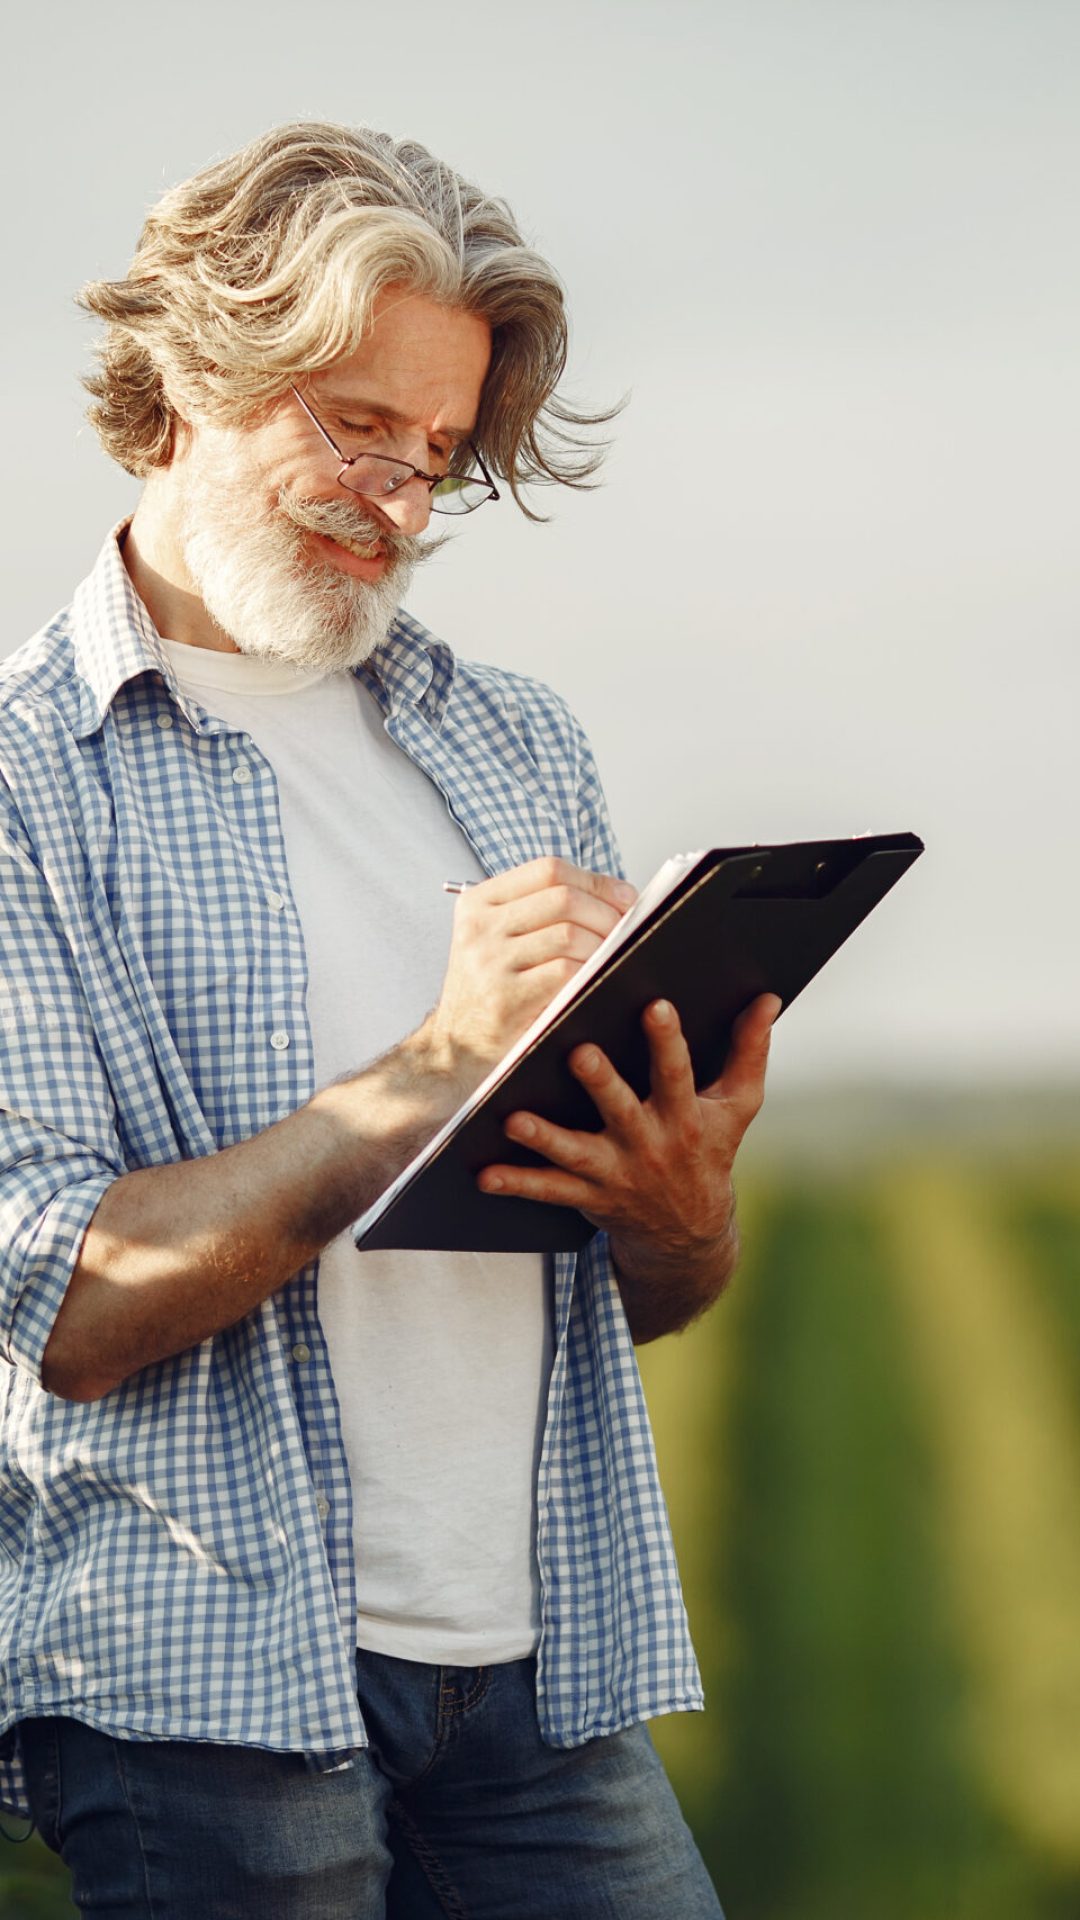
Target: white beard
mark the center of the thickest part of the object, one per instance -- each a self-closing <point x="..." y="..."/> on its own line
<point x="255" y="575"/>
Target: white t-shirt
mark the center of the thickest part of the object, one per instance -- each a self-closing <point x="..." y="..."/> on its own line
<point x="441" y="1360"/>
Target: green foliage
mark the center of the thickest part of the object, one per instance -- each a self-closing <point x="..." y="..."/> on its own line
<point x="33" y="1883"/>
<point x="842" y="1781"/>
<point x="831" y="1584"/>
<point x="1041" y="1215"/>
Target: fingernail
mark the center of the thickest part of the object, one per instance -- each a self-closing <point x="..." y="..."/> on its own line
<point x="520" y="1127"/>
<point x="625" y="892"/>
<point x="588" y="1062"/>
<point x="492" y="1183"/>
<point x="662" y="1011"/>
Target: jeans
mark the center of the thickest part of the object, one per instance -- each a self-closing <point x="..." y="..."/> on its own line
<point x="456" y="1809"/>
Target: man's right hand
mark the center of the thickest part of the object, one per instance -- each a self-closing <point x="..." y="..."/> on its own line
<point x="517" y="939"/>
<point x="175" y="1253"/>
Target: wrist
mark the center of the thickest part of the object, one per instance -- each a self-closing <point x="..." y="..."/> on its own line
<point x="682" y="1248"/>
<point x="408" y="1092"/>
<point x="435" y="1059"/>
<point x="665" y="1284"/>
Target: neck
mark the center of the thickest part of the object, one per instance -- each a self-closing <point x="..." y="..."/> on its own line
<point x="154" y="557"/>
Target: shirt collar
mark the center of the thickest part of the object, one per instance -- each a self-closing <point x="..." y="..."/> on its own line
<point x="410" y="669"/>
<point x="115" y="640"/>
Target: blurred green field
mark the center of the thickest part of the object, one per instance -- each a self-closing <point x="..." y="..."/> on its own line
<point x="872" y="1457"/>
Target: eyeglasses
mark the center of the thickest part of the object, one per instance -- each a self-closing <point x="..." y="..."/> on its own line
<point x="376" y="476"/>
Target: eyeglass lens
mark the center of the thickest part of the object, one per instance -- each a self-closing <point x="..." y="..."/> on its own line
<point x="376" y="477"/>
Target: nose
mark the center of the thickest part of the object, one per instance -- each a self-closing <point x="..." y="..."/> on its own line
<point x="409" y="509"/>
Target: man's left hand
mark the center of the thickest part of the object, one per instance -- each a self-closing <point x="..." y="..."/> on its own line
<point x="658" y="1177"/>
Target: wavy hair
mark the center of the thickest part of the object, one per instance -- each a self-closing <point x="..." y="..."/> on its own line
<point x="266" y="266"/>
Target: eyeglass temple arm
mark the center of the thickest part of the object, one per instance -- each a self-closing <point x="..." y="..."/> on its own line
<point x="317" y="423"/>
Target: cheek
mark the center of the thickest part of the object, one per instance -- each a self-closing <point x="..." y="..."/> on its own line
<point x="280" y="458"/>
<point x="304" y="479"/>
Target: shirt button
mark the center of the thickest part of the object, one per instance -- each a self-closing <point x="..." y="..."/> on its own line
<point x="301" y="1352"/>
<point x="322" y="1506"/>
<point x="241" y="775"/>
<point x="164" y="721"/>
<point x="275" y="901"/>
<point x="279" y="1039"/>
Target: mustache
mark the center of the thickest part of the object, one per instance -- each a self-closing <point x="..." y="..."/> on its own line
<point x="339" y="520"/>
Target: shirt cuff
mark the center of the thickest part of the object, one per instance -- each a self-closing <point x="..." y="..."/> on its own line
<point x="51" y="1256"/>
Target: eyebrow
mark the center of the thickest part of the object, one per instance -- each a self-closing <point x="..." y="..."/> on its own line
<point x="355" y="403"/>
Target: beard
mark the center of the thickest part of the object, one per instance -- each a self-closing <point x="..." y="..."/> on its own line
<point x="262" y="586"/>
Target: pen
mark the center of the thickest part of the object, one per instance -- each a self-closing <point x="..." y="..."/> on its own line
<point x="457" y="886"/>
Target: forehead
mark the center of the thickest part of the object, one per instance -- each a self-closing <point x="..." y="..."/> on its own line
<point x="422" y="361"/>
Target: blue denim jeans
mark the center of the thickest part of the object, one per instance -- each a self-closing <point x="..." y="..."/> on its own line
<point x="456" y="1809"/>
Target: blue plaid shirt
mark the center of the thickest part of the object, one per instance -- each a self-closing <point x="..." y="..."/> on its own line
<point x="176" y="1558"/>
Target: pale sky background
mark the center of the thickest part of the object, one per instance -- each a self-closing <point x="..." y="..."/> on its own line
<point x="829" y="248"/>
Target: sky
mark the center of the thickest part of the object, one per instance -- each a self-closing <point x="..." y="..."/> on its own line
<point x="826" y="250"/>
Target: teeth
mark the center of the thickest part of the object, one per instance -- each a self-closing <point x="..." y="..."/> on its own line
<point x="353" y="546"/>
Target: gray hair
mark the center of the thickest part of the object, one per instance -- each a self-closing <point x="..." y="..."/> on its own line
<point x="266" y="266"/>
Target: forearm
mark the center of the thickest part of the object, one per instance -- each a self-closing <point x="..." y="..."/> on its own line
<point x="176" y="1253"/>
<point x="664" y="1288"/>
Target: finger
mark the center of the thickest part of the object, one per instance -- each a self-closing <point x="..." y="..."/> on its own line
<point x="563" y="941"/>
<point x="671" y="1070"/>
<point x="548" y="1184"/>
<point x="743" y="1078"/>
<point x="562" y="905"/>
<point x="585" y="1154"/>
<point x="617" y="1104"/>
<point x="550" y="871"/>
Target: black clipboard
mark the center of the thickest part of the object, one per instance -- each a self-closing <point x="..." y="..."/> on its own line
<point x="741" y="921"/>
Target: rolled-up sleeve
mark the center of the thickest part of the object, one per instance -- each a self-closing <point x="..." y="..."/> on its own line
<point x="59" y="1146"/>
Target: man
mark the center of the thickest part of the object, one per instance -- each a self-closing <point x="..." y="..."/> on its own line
<point x="332" y="1584"/>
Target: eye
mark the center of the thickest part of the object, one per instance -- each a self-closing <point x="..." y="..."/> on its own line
<point x="357" y="427"/>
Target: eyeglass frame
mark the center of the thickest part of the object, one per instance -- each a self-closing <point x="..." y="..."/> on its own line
<point x="431" y="480"/>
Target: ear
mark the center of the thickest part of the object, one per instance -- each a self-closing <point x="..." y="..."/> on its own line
<point x="181" y="441"/>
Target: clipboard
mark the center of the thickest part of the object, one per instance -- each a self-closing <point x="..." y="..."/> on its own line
<point x="737" y="922"/>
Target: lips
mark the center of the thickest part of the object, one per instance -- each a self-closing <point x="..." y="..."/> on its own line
<point x="366" y="564"/>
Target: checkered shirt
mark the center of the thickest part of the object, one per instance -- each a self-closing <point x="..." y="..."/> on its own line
<point x="176" y="1559"/>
